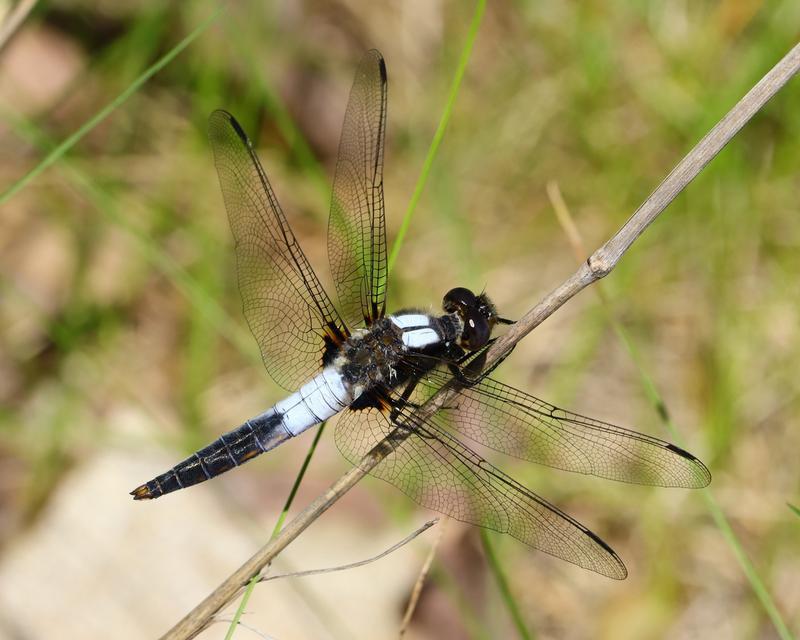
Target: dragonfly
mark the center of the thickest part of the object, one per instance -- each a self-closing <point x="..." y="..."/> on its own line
<point x="376" y="371"/>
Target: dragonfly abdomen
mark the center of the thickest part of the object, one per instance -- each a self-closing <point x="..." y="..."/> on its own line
<point x="322" y="397"/>
<point x="230" y="450"/>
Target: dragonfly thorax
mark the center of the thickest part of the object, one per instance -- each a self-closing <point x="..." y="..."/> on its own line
<point x="369" y="356"/>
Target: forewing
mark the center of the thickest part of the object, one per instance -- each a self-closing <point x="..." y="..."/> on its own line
<point x="439" y="472"/>
<point x="288" y="311"/>
<point x="519" y="424"/>
<point x="357" y="227"/>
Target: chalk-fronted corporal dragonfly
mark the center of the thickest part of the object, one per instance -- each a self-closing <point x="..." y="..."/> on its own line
<point x="377" y="370"/>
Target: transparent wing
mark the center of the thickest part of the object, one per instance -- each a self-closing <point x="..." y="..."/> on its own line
<point x="356" y="227"/>
<point x="439" y="472"/>
<point x="287" y="309"/>
<point x="521" y="425"/>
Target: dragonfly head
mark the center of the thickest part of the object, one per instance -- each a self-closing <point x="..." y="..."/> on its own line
<point x="476" y="312"/>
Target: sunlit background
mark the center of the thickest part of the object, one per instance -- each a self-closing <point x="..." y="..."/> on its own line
<point x="123" y="347"/>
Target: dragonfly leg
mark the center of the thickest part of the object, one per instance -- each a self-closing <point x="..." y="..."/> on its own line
<point x="403" y="401"/>
<point x="473" y="372"/>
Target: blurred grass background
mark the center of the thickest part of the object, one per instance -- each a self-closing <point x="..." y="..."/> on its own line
<point x="123" y="346"/>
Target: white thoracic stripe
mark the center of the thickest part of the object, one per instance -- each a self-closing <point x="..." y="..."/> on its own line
<point x="406" y="320"/>
<point x="418" y="338"/>
<point x="318" y="399"/>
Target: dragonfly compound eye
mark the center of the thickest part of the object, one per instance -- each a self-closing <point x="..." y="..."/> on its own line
<point x="477" y="331"/>
<point x="473" y="312"/>
<point x="459" y="300"/>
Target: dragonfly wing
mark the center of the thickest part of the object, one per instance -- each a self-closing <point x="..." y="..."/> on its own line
<point x="518" y="424"/>
<point x="357" y="225"/>
<point x="439" y="472"/>
<point x="289" y="313"/>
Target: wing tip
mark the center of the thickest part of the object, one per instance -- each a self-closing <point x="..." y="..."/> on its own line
<point x="219" y="114"/>
<point x="619" y="572"/>
<point x="616" y="570"/>
<point x="374" y="55"/>
<point x="703" y="477"/>
<point x="221" y="117"/>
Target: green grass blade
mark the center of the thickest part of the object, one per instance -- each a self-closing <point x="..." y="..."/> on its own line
<point x="466" y="51"/>
<point x="651" y="391"/>
<point x="793" y="508"/>
<point x="505" y="589"/>
<point x="756" y="583"/>
<point x="101" y="115"/>
<point x="464" y="58"/>
<point x="254" y="580"/>
<point x="296" y="485"/>
<point x="240" y="33"/>
<point x="208" y="307"/>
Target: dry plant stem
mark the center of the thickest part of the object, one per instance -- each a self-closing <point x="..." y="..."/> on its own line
<point x="14" y="19"/>
<point x="418" y="584"/>
<point x="199" y="617"/>
<point x="358" y="563"/>
<point x="599" y="264"/>
<point x="602" y="261"/>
